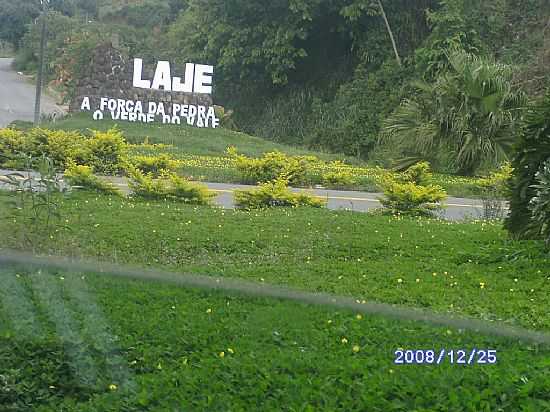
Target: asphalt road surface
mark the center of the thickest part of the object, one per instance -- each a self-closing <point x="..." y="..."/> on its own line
<point x="455" y="208"/>
<point x="17" y="96"/>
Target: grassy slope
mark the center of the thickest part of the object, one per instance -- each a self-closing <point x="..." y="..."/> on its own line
<point x="191" y="140"/>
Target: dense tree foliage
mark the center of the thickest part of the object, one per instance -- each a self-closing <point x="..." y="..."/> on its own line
<point x="325" y="73"/>
<point x="471" y="112"/>
<point x="533" y="150"/>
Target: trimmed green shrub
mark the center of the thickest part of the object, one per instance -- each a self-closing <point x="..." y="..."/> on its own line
<point x="274" y="193"/>
<point x="105" y="152"/>
<point x="108" y="151"/>
<point x="155" y="164"/>
<point x="168" y="186"/>
<point x="78" y="175"/>
<point x="532" y="151"/>
<point x="272" y="165"/>
<point x="411" y="192"/>
<point x="540" y="204"/>
<point x="339" y="178"/>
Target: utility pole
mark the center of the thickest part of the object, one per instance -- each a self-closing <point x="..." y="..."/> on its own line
<point x="40" y="74"/>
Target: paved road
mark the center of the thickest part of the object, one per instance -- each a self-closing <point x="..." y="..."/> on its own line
<point x="17" y="96"/>
<point x="456" y="208"/>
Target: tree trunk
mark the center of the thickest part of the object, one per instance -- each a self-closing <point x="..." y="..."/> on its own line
<point x="390" y="32"/>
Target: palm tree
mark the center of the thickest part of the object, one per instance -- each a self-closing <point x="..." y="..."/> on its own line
<point x="471" y="112"/>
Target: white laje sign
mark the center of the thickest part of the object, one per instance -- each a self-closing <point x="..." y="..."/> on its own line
<point x="197" y="79"/>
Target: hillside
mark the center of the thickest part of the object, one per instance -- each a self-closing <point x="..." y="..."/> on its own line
<point x="327" y="75"/>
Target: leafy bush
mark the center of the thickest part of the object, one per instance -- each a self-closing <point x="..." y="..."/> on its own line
<point x="471" y="112"/>
<point x="78" y="175"/>
<point x="411" y="192"/>
<point x="338" y="178"/>
<point x="104" y="152"/>
<point x="532" y="151"/>
<point x="168" y="186"/>
<point x="59" y="145"/>
<point x="493" y="189"/>
<point x="108" y="151"/>
<point x="12" y="149"/>
<point x="540" y="204"/>
<point x="274" y="193"/>
<point x="155" y="164"/>
<point x="272" y="165"/>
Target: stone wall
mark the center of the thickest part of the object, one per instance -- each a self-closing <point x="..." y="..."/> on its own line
<point x="110" y="75"/>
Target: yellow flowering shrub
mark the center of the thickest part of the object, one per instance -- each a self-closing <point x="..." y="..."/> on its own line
<point x="155" y="164"/>
<point x="79" y="175"/>
<point x="13" y="144"/>
<point x="409" y="193"/>
<point x="108" y="151"/>
<point x="272" y="165"/>
<point x="340" y="176"/>
<point x="274" y="193"/>
<point x="105" y="152"/>
<point x="168" y="186"/>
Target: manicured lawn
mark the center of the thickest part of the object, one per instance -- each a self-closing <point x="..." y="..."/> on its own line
<point x="95" y="342"/>
<point x="470" y="268"/>
<point x="67" y="338"/>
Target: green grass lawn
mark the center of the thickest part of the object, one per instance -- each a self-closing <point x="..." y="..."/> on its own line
<point x="65" y="338"/>
<point x="470" y="268"/>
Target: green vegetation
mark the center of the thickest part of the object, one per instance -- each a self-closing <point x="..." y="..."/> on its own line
<point x="412" y="192"/>
<point x="324" y="75"/>
<point x="174" y="147"/>
<point x="354" y="94"/>
<point x="540" y="204"/>
<point x="274" y="193"/>
<point x="167" y="186"/>
<point x="105" y="152"/>
<point x="315" y="249"/>
<point x="532" y="152"/>
<point x="199" y="350"/>
<point x="83" y="176"/>
<point x="185" y="139"/>
<point x="470" y="113"/>
<point x="272" y="165"/>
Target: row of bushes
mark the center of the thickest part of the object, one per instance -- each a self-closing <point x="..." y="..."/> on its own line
<point x="154" y="177"/>
<point x="297" y="170"/>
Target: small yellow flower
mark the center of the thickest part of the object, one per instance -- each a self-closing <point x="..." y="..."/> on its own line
<point x="434" y="274"/>
<point x="344" y="341"/>
<point x="356" y="349"/>
<point x="221" y="354"/>
<point x="208" y="310"/>
<point x="329" y="321"/>
<point x="359" y="317"/>
<point x="417" y="280"/>
<point x="481" y="285"/>
<point x="230" y="350"/>
<point x="113" y="387"/>
<point x="399" y="280"/>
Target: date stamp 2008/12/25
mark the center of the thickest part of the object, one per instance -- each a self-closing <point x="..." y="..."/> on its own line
<point x="453" y="356"/>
